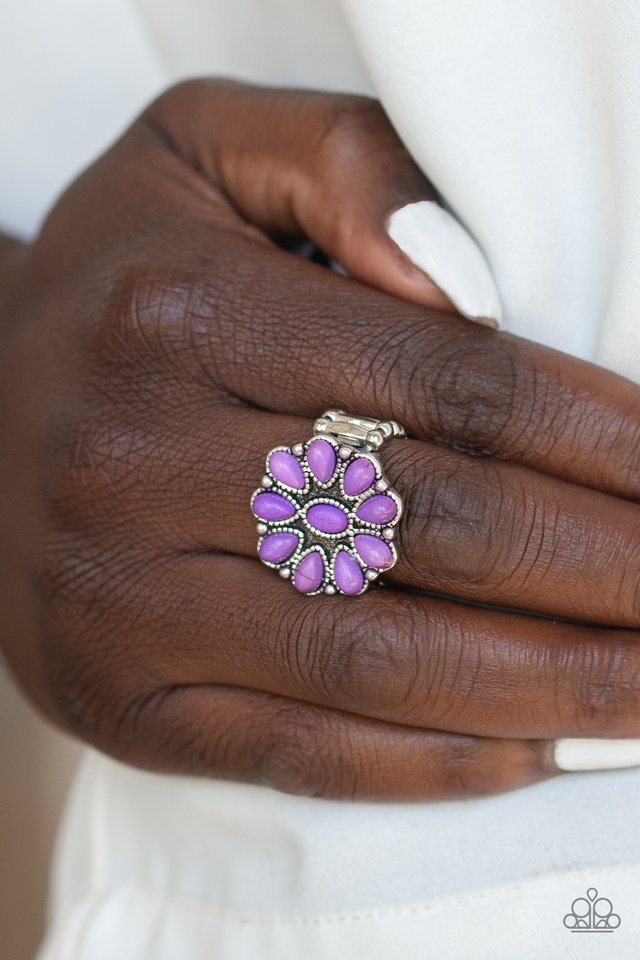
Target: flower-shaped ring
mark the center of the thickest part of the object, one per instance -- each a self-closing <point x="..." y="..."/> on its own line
<point x="326" y="513"/>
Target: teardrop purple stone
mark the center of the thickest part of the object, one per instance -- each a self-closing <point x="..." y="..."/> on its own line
<point x="327" y="518"/>
<point x="348" y="574"/>
<point x="278" y="547"/>
<point x="373" y="551"/>
<point x="359" y="475"/>
<point x="309" y="572"/>
<point x="322" y="459"/>
<point x="285" y="468"/>
<point x="378" y="509"/>
<point x="272" y="506"/>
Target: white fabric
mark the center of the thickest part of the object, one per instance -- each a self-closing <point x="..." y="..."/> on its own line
<point x="157" y="868"/>
<point x="73" y="73"/>
<point x="526" y="117"/>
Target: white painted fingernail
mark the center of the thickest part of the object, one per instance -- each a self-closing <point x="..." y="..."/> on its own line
<point x="572" y="755"/>
<point x="442" y="248"/>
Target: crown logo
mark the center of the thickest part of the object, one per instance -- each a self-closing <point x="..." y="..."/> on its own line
<point x="591" y="914"/>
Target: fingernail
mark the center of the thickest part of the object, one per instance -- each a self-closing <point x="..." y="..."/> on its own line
<point x="573" y="755"/>
<point x="435" y="241"/>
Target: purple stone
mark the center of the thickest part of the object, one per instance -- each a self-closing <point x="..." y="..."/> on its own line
<point x="322" y="459"/>
<point x="285" y="468"/>
<point x="348" y="574"/>
<point x="373" y="551"/>
<point x="359" y="475"/>
<point x="378" y="509"/>
<point x="327" y="518"/>
<point x="278" y="547"/>
<point x="272" y="506"/>
<point x="309" y="572"/>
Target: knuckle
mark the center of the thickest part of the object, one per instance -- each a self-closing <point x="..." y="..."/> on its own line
<point x="367" y="663"/>
<point x="465" y="771"/>
<point x="461" y="388"/>
<point x="170" y="327"/>
<point x="377" y="662"/>
<point x="458" y="520"/>
<point x="156" y="727"/>
<point x="104" y="441"/>
<point x="474" y="387"/>
<point x="292" y="756"/>
<point x="165" y="330"/>
<point x="470" y="523"/>
<point x="147" y="310"/>
<point x="606" y="695"/>
<point x="390" y="660"/>
<point x="363" y="660"/>
<point x="349" y="126"/>
<point x="103" y="477"/>
<point x="480" y="767"/>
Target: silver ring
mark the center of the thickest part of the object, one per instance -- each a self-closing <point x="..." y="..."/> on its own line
<point x="326" y="512"/>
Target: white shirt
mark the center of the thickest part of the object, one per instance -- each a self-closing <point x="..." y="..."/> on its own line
<point x="527" y="119"/>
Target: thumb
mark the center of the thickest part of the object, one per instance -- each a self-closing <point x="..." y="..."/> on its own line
<point x="330" y="167"/>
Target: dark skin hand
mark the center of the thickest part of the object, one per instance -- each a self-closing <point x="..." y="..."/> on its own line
<point x="158" y="342"/>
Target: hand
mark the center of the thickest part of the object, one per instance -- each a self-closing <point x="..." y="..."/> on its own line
<point x="186" y="344"/>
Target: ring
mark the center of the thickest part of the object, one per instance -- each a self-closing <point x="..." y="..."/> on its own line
<point x="326" y="513"/>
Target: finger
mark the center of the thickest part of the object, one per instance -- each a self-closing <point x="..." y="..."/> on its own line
<point x="475" y="529"/>
<point x="329" y="167"/>
<point x="250" y="736"/>
<point x="285" y="335"/>
<point x="392" y="656"/>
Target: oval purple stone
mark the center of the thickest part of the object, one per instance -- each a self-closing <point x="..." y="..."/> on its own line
<point x="327" y="518"/>
<point x="278" y="547"/>
<point x="373" y="551"/>
<point x="272" y="506"/>
<point x="359" y="475"/>
<point x="348" y="574"/>
<point x="309" y="572"/>
<point x="285" y="468"/>
<point x="322" y="459"/>
<point x="378" y="509"/>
